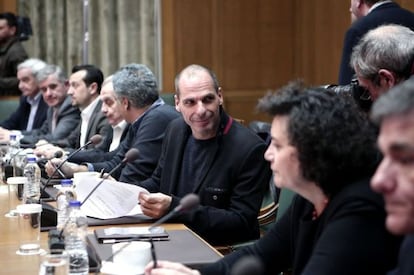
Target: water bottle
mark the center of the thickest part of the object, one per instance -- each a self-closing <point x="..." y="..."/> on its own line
<point x="75" y="239"/>
<point x="14" y="149"/>
<point x="63" y="197"/>
<point x="31" y="189"/>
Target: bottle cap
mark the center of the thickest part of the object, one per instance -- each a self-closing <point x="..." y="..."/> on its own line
<point x="66" y="182"/>
<point x="74" y="204"/>
<point x="31" y="159"/>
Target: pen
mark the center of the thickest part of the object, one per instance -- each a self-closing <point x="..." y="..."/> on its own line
<point x="58" y="170"/>
<point x="112" y="241"/>
<point x="102" y="173"/>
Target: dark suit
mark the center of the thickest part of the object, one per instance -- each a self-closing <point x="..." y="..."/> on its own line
<point x="405" y="258"/>
<point x="98" y="155"/>
<point x="18" y="120"/>
<point x="383" y="14"/>
<point x="98" y="124"/>
<point x="146" y="135"/>
<point x="231" y="184"/>
<point x="67" y="120"/>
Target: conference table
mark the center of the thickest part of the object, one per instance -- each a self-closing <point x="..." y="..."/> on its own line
<point x="183" y="241"/>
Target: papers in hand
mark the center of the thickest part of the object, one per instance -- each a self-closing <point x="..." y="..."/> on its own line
<point x="112" y="199"/>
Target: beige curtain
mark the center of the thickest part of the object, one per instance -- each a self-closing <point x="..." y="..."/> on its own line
<point x="120" y="32"/>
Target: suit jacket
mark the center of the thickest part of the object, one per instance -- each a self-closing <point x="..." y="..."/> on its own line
<point x="67" y="120"/>
<point x="405" y="260"/>
<point x="11" y="55"/>
<point x="18" y="120"/>
<point x="98" y="124"/>
<point x="349" y="237"/>
<point x="231" y="185"/>
<point x="383" y="14"/>
<point x="146" y="135"/>
<point x="97" y="154"/>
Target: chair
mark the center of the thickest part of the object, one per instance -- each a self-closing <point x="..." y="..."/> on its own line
<point x="168" y="98"/>
<point x="8" y="104"/>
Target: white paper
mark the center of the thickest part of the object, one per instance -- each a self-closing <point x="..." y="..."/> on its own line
<point x="112" y="199"/>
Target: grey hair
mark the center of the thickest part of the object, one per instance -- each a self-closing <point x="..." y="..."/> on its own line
<point x="386" y="47"/>
<point x="192" y="70"/>
<point x="51" y="70"/>
<point x="33" y="64"/>
<point x="137" y="83"/>
<point x="399" y="100"/>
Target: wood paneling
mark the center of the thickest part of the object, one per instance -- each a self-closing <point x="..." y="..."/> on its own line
<point x="8" y="5"/>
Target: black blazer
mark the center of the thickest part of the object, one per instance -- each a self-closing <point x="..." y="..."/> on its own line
<point x="18" y="120"/>
<point x="231" y="185"/>
<point x="383" y="14"/>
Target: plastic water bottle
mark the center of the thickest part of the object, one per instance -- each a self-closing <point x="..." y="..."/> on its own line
<point x="31" y="190"/>
<point x="14" y="149"/>
<point x="75" y="239"/>
<point x="63" y="197"/>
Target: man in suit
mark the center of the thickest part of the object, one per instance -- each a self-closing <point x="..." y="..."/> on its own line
<point x="369" y="14"/>
<point x="208" y="153"/>
<point x="32" y="109"/>
<point x="84" y="87"/>
<point x="12" y="53"/>
<point x="112" y="109"/>
<point x="62" y="118"/>
<point x="136" y="91"/>
<point x="394" y="178"/>
<point x="383" y="58"/>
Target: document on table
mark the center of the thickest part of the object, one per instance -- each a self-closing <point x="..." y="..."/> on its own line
<point x="112" y="199"/>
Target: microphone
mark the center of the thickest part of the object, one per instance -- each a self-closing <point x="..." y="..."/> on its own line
<point x="130" y="156"/>
<point x="188" y="202"/>
<point x="95" y="139"/>
<point x="248" y="265"/>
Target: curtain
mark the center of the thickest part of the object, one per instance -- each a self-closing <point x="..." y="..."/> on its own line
<point x="120" y="32"/>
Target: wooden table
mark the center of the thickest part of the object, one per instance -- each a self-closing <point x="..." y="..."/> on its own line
<point x="11" y="263"/>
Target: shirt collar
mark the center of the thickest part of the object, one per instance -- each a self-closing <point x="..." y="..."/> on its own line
<point x="379" y="4"/>
<point x="88" y="111"/>
<point x="121" y="125"/>
<point x="34" y="100"/>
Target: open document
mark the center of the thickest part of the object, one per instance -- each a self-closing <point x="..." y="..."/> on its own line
<point x="112" y="199"/>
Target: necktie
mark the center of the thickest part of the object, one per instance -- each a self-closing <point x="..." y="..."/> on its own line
<point x="54" y="119"/>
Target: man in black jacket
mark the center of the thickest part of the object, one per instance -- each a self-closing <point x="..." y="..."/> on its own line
<point x="208" y="153"/>
<point x="32" y="109"/>
<point x="11" y="54"/>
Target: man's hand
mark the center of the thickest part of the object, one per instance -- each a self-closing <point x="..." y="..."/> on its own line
<point x="47" y="150"/>
<point x="154" y="205"/>
<point x="4" y="134"/>
<point x="68" y="168"/>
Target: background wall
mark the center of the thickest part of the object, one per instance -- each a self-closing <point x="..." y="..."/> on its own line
<point x="253" y="46"/>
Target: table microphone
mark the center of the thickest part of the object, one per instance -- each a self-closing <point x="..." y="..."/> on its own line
<point x="248" y="265"/>
<point x="188" y="202"/>
<point x="95" y="139"/>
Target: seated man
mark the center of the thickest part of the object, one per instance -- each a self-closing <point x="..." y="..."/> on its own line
<point x="32" y="109"/>
<point x="112" y="109"/>
<point x="62" y="118"/>
<point x="383" y="58"/>
<point x="208" y="153"/>
<point x="84" y="88"/>
<point x="136" y="90"/>
<point x="394" y="178"/>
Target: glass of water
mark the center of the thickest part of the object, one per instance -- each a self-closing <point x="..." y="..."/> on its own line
<point x="54" y="262"/>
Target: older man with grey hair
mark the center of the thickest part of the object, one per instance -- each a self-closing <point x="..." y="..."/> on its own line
<point x="32" y="109"/>
<point x="136" y="89"/>
<point x="383" y="58"/>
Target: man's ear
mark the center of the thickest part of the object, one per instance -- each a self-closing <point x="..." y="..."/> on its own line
<point x="387" y="78"/>
<point x="177" y="100"/>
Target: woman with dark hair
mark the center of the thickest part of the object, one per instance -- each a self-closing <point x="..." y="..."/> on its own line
<point x="323" y="148"/>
